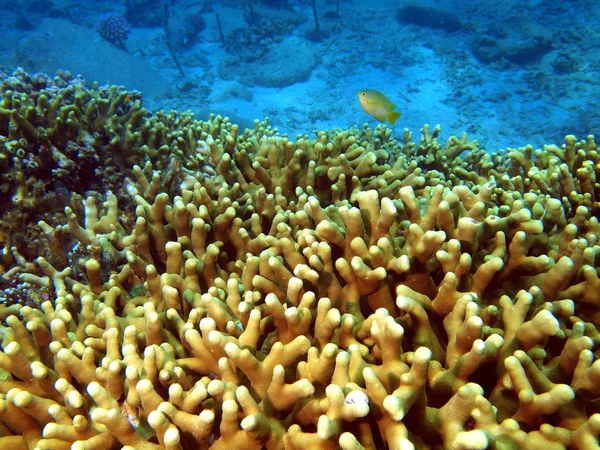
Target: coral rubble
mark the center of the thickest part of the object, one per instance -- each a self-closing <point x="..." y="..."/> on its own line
<point x="348" y="291"/>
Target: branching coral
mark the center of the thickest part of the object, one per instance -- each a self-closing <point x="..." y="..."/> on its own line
<point x="323" y="293"/>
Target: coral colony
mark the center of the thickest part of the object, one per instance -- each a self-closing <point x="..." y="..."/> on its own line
<point x="114" y="28"/>
<point x="193" y="285"/>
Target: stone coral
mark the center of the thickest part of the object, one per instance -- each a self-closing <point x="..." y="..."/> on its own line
<point x="349" y="291"/>
<point x="114" y="28"/>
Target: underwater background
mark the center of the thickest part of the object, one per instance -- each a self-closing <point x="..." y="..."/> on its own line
<point x="509" y="73"/>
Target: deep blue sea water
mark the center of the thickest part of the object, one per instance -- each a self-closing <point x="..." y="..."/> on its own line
<point x="509" y="73"/>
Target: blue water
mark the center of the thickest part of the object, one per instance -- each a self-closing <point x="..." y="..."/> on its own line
<point x="509" y="73"/>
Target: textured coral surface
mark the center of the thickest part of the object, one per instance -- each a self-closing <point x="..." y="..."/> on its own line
<point x="210" y="287"/>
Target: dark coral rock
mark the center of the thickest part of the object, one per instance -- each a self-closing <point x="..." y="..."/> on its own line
<point x="331" y="15"/>
<point x="145" y="13"/>
<point x="23" y="24"/>
<point x="527" y="50"/>
<point x="245" y="44"/>
<point x="565" y="64"/>
<point x="497" y="31"/>
<point x="185" y="26"/>
<point x="37" y="6"/>
<point x="429" y="17"/>
<point x="314" y="35"/>
<point x="275" y="3"/>
<point x="59" y="13"/>
<point x="486" y="49"/>
<point x="515" y="49"/>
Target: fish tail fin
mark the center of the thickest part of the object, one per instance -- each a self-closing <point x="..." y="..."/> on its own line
<point x="392" y="116"/>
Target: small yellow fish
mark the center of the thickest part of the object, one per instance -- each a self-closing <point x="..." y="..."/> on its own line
<point x="378" y="105"/>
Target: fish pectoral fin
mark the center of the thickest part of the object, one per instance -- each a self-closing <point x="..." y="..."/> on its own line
<point x="392" y="116"/>
<point x="380" y="118"/>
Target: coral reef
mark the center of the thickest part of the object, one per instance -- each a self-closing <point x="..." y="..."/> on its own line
<point x="351" y="291"/>
<point x="60" y="132"/>
<point x="186" y="25"/>
<point x="265" y="29"/>
<point x="114" y="28"/>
